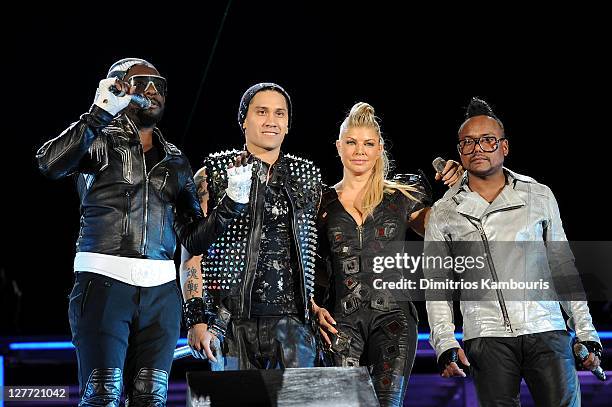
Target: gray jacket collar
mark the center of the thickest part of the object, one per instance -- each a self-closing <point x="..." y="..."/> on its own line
<point x="471" y="204"/>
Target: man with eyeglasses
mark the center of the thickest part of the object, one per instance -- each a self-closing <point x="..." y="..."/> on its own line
<point x="505" y="339"/>
<point x="137" y="195"/>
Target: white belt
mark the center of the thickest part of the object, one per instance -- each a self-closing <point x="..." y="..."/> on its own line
<point x="138" y="272"/>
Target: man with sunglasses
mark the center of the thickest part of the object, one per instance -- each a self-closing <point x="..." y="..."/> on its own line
<point x="137" y="195"/>
<point x="506" y="339"/>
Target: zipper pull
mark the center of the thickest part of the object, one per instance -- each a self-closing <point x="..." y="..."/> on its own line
<point x="508" y="326"/>
<point x="165" y="179"/>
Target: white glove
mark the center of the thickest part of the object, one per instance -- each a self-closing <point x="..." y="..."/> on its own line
<point x="108" y="101"/>
<point x="239" y="183"/>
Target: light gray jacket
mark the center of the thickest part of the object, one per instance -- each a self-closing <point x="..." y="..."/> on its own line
<point x="524" y="211"/>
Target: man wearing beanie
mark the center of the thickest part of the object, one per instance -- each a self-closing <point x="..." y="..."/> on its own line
<point x="137" y="194"/>
<point x="253" y="289"/>
<point x="514" y="223"/>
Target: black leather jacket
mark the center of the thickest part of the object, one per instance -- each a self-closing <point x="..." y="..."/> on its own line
<point x="229" y="268"/>
<point x="344" y="269"/>
<point x="127" y="209"/>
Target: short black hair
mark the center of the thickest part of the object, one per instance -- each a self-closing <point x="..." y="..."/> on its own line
<point x="479" y="107"/>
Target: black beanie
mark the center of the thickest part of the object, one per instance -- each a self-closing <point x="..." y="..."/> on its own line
<point x="252" y="91"/>
<point x="479" y="107"/>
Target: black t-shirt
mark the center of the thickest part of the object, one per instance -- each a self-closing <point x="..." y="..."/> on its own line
<point x="274" y="289"/>
<point x="152" y="157"/>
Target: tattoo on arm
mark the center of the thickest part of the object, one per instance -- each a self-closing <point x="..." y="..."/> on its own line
<point x="192" y="272"/>
<point x="200" y="182"/>
<point x="192" y="287"/>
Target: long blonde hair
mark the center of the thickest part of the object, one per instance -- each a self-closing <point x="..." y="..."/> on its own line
<point x="362" y="115"/>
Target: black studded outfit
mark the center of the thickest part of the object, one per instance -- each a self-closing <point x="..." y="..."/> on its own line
<point x="259" y="275"/>
<point x="376" y="328"/>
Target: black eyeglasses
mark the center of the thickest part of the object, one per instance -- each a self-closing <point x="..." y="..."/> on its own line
<point x="141" y="82"/>
<point x="488" y="143"/>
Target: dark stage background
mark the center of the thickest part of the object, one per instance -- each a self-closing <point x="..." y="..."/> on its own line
<point x="543" y="71"/>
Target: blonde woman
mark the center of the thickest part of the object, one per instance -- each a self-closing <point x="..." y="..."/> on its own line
<point x="362" y="216"/>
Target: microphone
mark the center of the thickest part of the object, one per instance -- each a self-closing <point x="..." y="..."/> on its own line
<point x="218" y="366"/>
<point x="181" y="352"/>
<point x="142" y="101"/>
<point x="439" y="163"/>
<point x="582" y="353"/>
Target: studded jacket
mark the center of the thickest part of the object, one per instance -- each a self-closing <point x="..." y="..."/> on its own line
<point x="347" y="249"/>
<point x="229" y="267"/>
<point x="126" y="209"/>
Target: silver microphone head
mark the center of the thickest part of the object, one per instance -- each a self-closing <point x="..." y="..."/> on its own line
<point x="142" y="101"/>
<point x="439" y="163"/>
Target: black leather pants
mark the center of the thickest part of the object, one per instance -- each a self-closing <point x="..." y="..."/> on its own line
<point x="275" y="342"/>
<point x="385" y="341"/>
<point x="544" y="360"/>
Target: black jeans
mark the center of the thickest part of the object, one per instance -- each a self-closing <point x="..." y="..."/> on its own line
<point x="269" y="342"/>
<point x="544" y="360"/>
<point x="386" y="342"/>
<point x="123" y="333"/>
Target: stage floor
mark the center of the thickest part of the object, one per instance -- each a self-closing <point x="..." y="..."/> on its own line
<point x="424" y="390"/>
<point x="57" y="367"/>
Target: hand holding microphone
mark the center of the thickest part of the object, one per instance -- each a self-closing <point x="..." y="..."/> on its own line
<point x="108" y="100"/>
<point x="452" y="363"/>
<point x="142" y="101"/>
<point x="212" y="352"/>
<point x="448" y="171"/>
<point x="582" y="354"/>
<point x="439" y="164"/>
<point x="112" y="95"/>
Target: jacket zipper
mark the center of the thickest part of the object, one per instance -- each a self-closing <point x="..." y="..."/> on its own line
<point x="249" y="279"/>
<point x="500" y="296"/>
<point x="163" y="211"/>
<point x="146" y="203"/>
<point x="360" y="234"/>
<point x="163" y="185"/>
<point x="298" y="249"/>
<point x="358" y="227"/>
<point x="126" y="213"/>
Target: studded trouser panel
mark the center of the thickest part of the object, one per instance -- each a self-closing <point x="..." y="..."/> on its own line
<point x="385" y="341"/>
